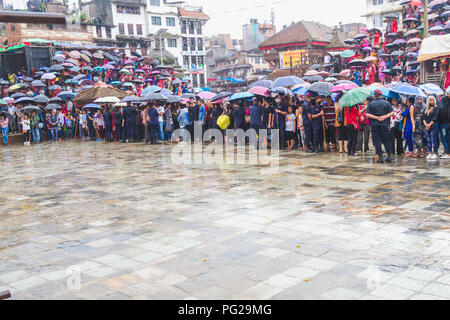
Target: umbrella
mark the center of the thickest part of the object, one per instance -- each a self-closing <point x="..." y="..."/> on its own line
<point x="281" y="90"/>
<point x="431" y="88"/>
<point x="206" y="95"/>
<point x="38" y="83"/>
<point x="151" y="89"/>
<point x="48" y="76"/>
<point x="173" y="99"/>
<point x="125" y="71"/>
<point x="300" y="91"/>
<point x="4" y="82"/>
<point x="127" y="84"/>
<point x="414" y="40"/>
<point x="137" y="81"/>
<point x="57" y="67"/>
<point x="97" y="55"/>
<point x="287" y="81"/>
<point x="327" y="65"/>
<point x="411" y="55"/>
<point x="92" y="106"/>
<point x="52" y="106"/>
<point x="221" y="96"/>
<point x="260" y="91"/>
<point x="345" y="73"/>
<point x="85" y="58"/>
<point x="107" y="100"/>
<point x="408" y="90"/>
<point x="386" y="71"/>
<point x="414" y="64"/>
<point x="74" y="54"/>
<point x="347" y="53"/>
<point x="390" y="16"/>
<point x="311" y="73"/>
<point x="41" y="99"/>
<point x="354" y="97"/>
<point x="370" y="59"/>
<point x="87" y="68"/>
<point x="116" y="83"/>
<point x="153" y="97"/>
<point x="321" y="87"/>
<point x="411" y="32"/>
<point x="75" y="69"/>
<point x="130" y="99"/>
<point x="79" y="77"/>
<point x="263" y="83"/>
<point x="73" y="61"/>
<point x="410" y="19"/>
<point x="44" y="68"/>
<point x="18" y="95"/>
<point x="176" y="81"/>
<point x="331" y="79"/>
<point x="86" y="53"/>
<point x="344" y="87"/>
<point x="397" y="68"/>
<point x="437" y="28"/>
<point x="446" y="14"/>
<point x="241" y="96"/>
<point x="399" y="41"/>
<point x="360" y="36"/>
<point x="66" y="94"/>
<point x="109" y="66"/>
<point x="23" y="100"/>
<point x="55" y="99"/>
<point x="59" y="59"/>
<point x="357" y="62"/>
<point x="188" y="95"/>
<point x="315" y="66"/>
<point x="139" y="71"/>
<point x="30" y="109"/>
<point x="398" y="53"/>
<point x="186" y="79"/>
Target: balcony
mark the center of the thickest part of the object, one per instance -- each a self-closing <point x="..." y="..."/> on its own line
<point x="272" y="56"/>
<point x="131" y="2"/>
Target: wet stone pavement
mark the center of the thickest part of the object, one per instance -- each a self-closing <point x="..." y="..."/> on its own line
<point x="97" y="221"/>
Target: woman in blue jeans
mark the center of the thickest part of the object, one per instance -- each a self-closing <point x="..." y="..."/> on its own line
<point x="4" y="125"/>
<point x="431" y="127"/>
<point x="53" y="121"/>
<point x="444" y="123"/>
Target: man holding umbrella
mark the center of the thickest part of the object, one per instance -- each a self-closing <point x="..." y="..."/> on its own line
<point x="129" y="117"/>
<point x="279" y="120"/>
<point x="379" y="112"/>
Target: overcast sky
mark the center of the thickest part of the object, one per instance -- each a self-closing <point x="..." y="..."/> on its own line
<point x="228" y="16"/>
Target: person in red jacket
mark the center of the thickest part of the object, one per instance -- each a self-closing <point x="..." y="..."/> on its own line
<point x="352" y="116"/>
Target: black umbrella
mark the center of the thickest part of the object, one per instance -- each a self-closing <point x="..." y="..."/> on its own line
<point x="18" y="95"/>
<point x="173" y="99"/>
<point x="390" y="16"/>
<point x="349" y="41"/>
<point x="57" y="67"/>
<point x="188" y="96"/>
<point x="24" y="100"/>
<point x="397" y="68"/>
<point x="335" y="75"/>
<point x="55" y="99"/>
<point x="360" y="36"/>
<point x="30" y="109"/>
<point x="41" y="99"/>
<point x="327" y="65"/>
<point x="221" y="95"/>
<point x="315" y="66"/>
<point x="52" y="106"/>
<point x="38" y="83"/>
<point x="28" y="79"/>
<point x="321" y="87"/>
<point x="358" y="62"/>
<point x="153" y="97"/>
<point x="130" y="99"/>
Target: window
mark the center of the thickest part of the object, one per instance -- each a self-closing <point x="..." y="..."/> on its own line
<point x="195" y="81"/>
<point x="13" y="27"/>
<point x="155" y="3"/>
<point x="194" y="62"/>
<point x="185" y="44"/>
<point x="201" y="61"/>
<point x="128" y="10"/>
<point x="186" y="61"/>
<point x="172" y="43"/>
<point x="200" y="44"/>
<point x="108" y="32"/>
<point x="99" y="31"/>
<point x="192" y="44"/>
<point x="191" y="27"/>
<point x="121" y="28"/>
<point x="130" y="29"/>
<point x="198" y="27"/>
<point x="183" y="25"/>
<point x="139" y="29"/>
<point x="170" y="22"/>
<point x="156" y="21"/>
<point x="202" y="80"/>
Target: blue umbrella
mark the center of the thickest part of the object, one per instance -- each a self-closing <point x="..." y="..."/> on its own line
<point x="92" y="106"/>
<point x="151" y="89"/>
<point x="281" y="90"/>
<point x="262" y="83"/>
<point x="54" y="87"/>
<point x="241" y="95"/>
<point x="408" y="90"/>
<point x="79" y="77"/>
<point x="44" y="68"/>
<point x="288" y="81"/>
<point x="115" y="83"/>
<point x="66" y="94"/>
<point x="300" y="91"/>
<point x="386" y="93"/>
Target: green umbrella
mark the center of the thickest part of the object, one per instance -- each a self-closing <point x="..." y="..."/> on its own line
<point x="2" y="102"/>
<point x="397" y="53"/>
<point x="348" y="54"/>
<point x="354" y="97"/>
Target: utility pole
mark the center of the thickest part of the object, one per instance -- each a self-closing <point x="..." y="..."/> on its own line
<point x="425" y="18"/>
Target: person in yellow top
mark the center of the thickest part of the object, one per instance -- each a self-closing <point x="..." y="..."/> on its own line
<point x="341" y="125"/>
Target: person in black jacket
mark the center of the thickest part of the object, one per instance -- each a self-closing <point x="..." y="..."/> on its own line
<point x="107" y="117"/>
<point x="130" y="118"/>
<point x="193" y="116"/>
<point x="431" y="127"/>
<point x="118" y="119"/>
<point x="444" y="123"/>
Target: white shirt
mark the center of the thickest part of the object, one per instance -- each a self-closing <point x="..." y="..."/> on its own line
<point x="161" y="110"/>
<point x="11" y="110"/>
<point x="25" y="124"/>
<point x="327" y="59"/>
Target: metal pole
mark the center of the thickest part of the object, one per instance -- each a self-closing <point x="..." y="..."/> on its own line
<point x="425" y="18"/>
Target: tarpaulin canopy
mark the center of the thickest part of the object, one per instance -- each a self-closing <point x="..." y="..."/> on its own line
<point x="94" y="93"/>
<point x="434" y="47"/>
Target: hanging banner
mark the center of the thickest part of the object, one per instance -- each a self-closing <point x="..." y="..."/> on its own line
<point x="294" y="58"/>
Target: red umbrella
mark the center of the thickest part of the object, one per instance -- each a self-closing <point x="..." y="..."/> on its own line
<point x="260" y="91"/>
<point x="206" y="95"/>
<point x="416" y="3"/>
<point x="343" y="87"/>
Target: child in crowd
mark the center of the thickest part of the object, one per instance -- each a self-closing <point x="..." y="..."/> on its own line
<point x="26" y="129"/>
<point x="290" y="128"/>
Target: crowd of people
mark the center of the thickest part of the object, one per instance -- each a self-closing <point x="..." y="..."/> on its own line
<point x="148" y="101"/>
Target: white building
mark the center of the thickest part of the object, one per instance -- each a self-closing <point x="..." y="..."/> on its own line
<point x="376" y="10"/>
<point x="192" y="23"/>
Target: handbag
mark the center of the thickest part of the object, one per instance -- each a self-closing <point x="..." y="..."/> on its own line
<point x="223" y="122"/>
<point x="340" y="117"/>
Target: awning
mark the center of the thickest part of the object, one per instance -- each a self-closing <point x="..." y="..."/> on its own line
<point x="434" y="47"/>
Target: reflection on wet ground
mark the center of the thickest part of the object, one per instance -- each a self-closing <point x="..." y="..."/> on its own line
<point x="97" y="221"/>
